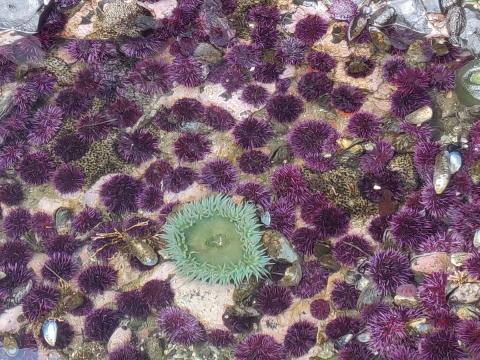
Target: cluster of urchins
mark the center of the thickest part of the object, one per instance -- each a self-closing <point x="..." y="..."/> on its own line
<point x="430" y="219"/>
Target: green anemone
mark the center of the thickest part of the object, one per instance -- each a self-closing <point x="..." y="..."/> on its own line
<point x="216" y="240"/>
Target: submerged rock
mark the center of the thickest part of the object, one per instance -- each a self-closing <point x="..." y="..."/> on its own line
<point x="23" y="15"/>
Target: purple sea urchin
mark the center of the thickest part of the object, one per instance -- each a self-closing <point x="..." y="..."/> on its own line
<point x="410" y="80"/>
<point x="101" y="323"/>
<point x="186" y="71"/>
<point x="68" y="179"/>
<point x="273" y="299"/>
<point x="92" y="127"/>
<point x="180" y="327"/>
<point x="220" y="338"/>
<point x="40" y="301"/>
<point x="310" y="29"/>
<point x="255" y="193"/>
<point x="409" y="229"/>
<point x="321" y="61"/>
<point x="218" y="175"/>
<point x="356" y="351"/>
<point x="313" y="85"/>
<point x="11" y="193"/>
<point x="255" y="95"/>
<point x="151" y="76"/>
<point x="179" y="179"/>
<point x="389" y="269"/>
<point x="218" y="118"/>
<point x="192" y="147"/>
<point x="246" y="56"/>
<point x="16" y="223"/>
<point x="136" y="147"/>
<point x="253" y="162"/>
<point x="403" y="102"/>
<point x="236" y="323"/>
<point x="124" y="112"/>
<point x="290" y="50"/>
<point x="119" y="194"/>
<point x="304" y="240"/>
<point x="252" y="133"/>
<point x="60" y="243"/>
<point x="86" y="220"/>
<point x="151" y="198"/>
<point x="331" y="221"/>
<point x="468" y="332"/>
<point x="132" y="303"/>
<point x="347" y="98"/>
<point x="59" y="266"/>
<point x="126" y="352"/>
<point x="320" y="309"/>
<point x="441" y="345"/>
<point x="350" y="248"/>
<point x="341" y="326"/>
<point x="259" y="347"/>
<point x="157" y="171"/>
<point x="45" y="123"/>
<point x="392" y="66"/>
<point x="70" y="147"/>
<point x="314" y="279"/>
<point x="157" y="293"/>
<point x="36" y="168"/>
<point x="431" y="292"/>
<point x="285" y="108"/>
<point x="344" y="296"/>
<point x="442" y="78"/>
<point x="300" y="338"/>
<point x="97" y="278"/>
<point x="288" y="182"/>
<point x="91" y="51"/>
<point x="364" y="125"/>
<point x="311" y="139"/>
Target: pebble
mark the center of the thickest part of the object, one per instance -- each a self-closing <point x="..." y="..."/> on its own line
<point x="458" y="259"/>
<point x="466" y="293"/>
<point x="9" y="322"/>
<point x="430" y="263"/>
<point x="476" y="239"/>
<point x="120" y="337"/>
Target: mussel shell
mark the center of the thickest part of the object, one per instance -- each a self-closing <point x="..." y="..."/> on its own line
<point x="144" y="253"/>
<point x="441" y="172"/>
<point x="63" y="219"/>
<point x="455" y="161"/>
<point x="356" y="27"/>
<point x="73" y="301"/>
<point x="476" y="238"/>
<point x="420" y="115"/>
<point x="50" y="331"/>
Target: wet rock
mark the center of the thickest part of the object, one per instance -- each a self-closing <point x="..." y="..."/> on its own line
<point x="468" y="293"/>
<point x="207" y="53"/>
<point x="327" y="351"/>
<point x="120" y="337"/>
<point x="368" y="295"/>
<point x="207" y="302"/>
<point x="10" y="320"/>
<point x="88" y="350"/>
<point x="23" y="15"/>
<point x="458" y="259"/>
<point x="406" y="295"/>
<point x="245" y="291"/>
<point x="467" y="312"/>
<point x="292" y="275"/>
<point x="278" y="247"/>
<point x="430" y="263"/>
<point x="153" y="348"/>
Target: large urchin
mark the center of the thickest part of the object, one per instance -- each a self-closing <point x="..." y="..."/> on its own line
<point x="216" y="241"/>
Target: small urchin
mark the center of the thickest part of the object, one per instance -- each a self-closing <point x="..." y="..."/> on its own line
<point x="216" y="241"/>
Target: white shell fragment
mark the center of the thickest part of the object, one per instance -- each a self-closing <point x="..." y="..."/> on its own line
<point x="50" y="331"/>
<point x="455" y="161"/>
<point x="441" y="172"/>
<point x="420" y="116"/>
<point x="265" y="218"/>
<point x="476" y="239"/>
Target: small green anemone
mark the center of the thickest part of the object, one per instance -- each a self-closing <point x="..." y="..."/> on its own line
<point x="216" y="241"/>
